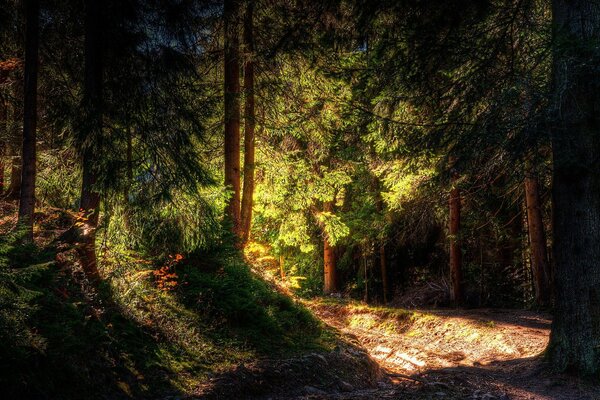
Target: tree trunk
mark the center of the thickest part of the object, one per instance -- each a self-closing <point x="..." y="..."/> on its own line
<point x="455" y="250"/>
<point x="383" y="265"/>
<point x="382" y="259"/>
<point x="232" y="112"/>
<point x="575" y="337"/>
<point x="14" y="190"/>
<point x="537" y="239"/>
<point x="28" y="170"/>
<point x="92" y="134"/>
<point x="328" y="257"/>
<point x="4" y="127"/>
<point x="249" y="124"/>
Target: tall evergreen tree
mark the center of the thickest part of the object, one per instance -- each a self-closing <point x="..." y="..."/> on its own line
<point x="27" y="195"/>
<point x="91" y="131"/>
<point x="249" y="123"/>
<point x="231" y="14"/>
<point x="575" y="338"/>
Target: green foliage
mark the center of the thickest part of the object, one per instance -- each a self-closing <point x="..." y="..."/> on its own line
<point x="19" y="299"/>
<point x="58" y="179"/>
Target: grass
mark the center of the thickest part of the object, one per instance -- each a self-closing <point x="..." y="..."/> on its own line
<point x="128" y="338"/>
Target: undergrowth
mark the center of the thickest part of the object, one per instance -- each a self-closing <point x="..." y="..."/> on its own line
<point x="130" y="336"/>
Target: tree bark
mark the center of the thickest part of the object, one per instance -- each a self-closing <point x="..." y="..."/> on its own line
<point x="232" y="112"/>
<point x="575" y="336"/>
<point x="455" y="250"/>
<point x="330" y="284"/>
<point x="28" y="169"/>
<point x="92" y="134"/>
<point x="382" y="259"/>
<point x="4" y="127"/>
<point x="537" y="239"/>
<point x="14" y="189"/>
<point x="249" y="125"/>
<point x="383" y="266"/>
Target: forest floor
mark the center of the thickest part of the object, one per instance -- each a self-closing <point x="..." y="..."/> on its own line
<point x="227" y="333"/>
<point x="453" y="354"/>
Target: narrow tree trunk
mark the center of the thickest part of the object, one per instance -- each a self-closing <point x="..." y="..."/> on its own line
<point x="282" y="266"/>
<point x="537" y="239"/>
<point x="92" y="135"/>
<point x="4" y="127"/>
<point x="28" y="170"/>
<point x="14" y="190"/>
<point x="575" y="337"/>
<point x="232" y="112"/>
<point x="455" y="250"/>
<point x="382" y="259"/>
<point x="328" y="257"/>
<point x="383" y="265"/>
<point x="249" y="124"/>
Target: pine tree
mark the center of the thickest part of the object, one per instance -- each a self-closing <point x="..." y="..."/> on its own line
<point x="575" y="336"/>
<point x="28" y="169"/>
<point x="232" y="111"/>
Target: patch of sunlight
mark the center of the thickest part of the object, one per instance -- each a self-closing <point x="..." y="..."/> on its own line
<point x="257" y="248"/>
<point x="364" y="321"/>
<point x="405" y="361"/>
<point x="266" y="260"/>
<point x="295" y="282"/>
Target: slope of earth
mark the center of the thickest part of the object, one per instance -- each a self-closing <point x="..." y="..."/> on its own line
<point x="453" y="354"/>
<point x="170" y="327"/>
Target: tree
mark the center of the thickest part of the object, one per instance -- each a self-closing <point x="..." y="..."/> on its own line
<point x="91" y="132"/>
<point x="28" y="170"/>
<point x="329" y="270"/>
<point x="232" y="111"/>
<point x="455" y="246"/>
<point x="575" y="336"/>
<point x="249" y="124"/>
<point x="537" y="238"/>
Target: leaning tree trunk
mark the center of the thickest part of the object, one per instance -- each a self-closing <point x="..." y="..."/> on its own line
<point x="91" y="134"/>
<point x="328" y="258"/>
<point x="249" y="124"/>
<point x="575" y="337"/>
<point x="28" y="170"/>
<point x="455" y="250"/>
<point x="232" y="112"/>
<point x="537" y="239"/>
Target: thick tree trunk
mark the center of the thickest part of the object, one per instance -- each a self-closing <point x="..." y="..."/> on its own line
<point x="575" y="337"/>
<point x="455" y="250"/>
<point x="232" y="112"/>
<point x="537" y="239"/>
<point x="249" y="125"/>
<point x="328" y="258"/>
<point x="28" y="170"/>
<point x="92" y="135"/>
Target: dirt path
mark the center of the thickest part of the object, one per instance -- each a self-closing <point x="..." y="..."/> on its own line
<point x="453" y="354"/>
